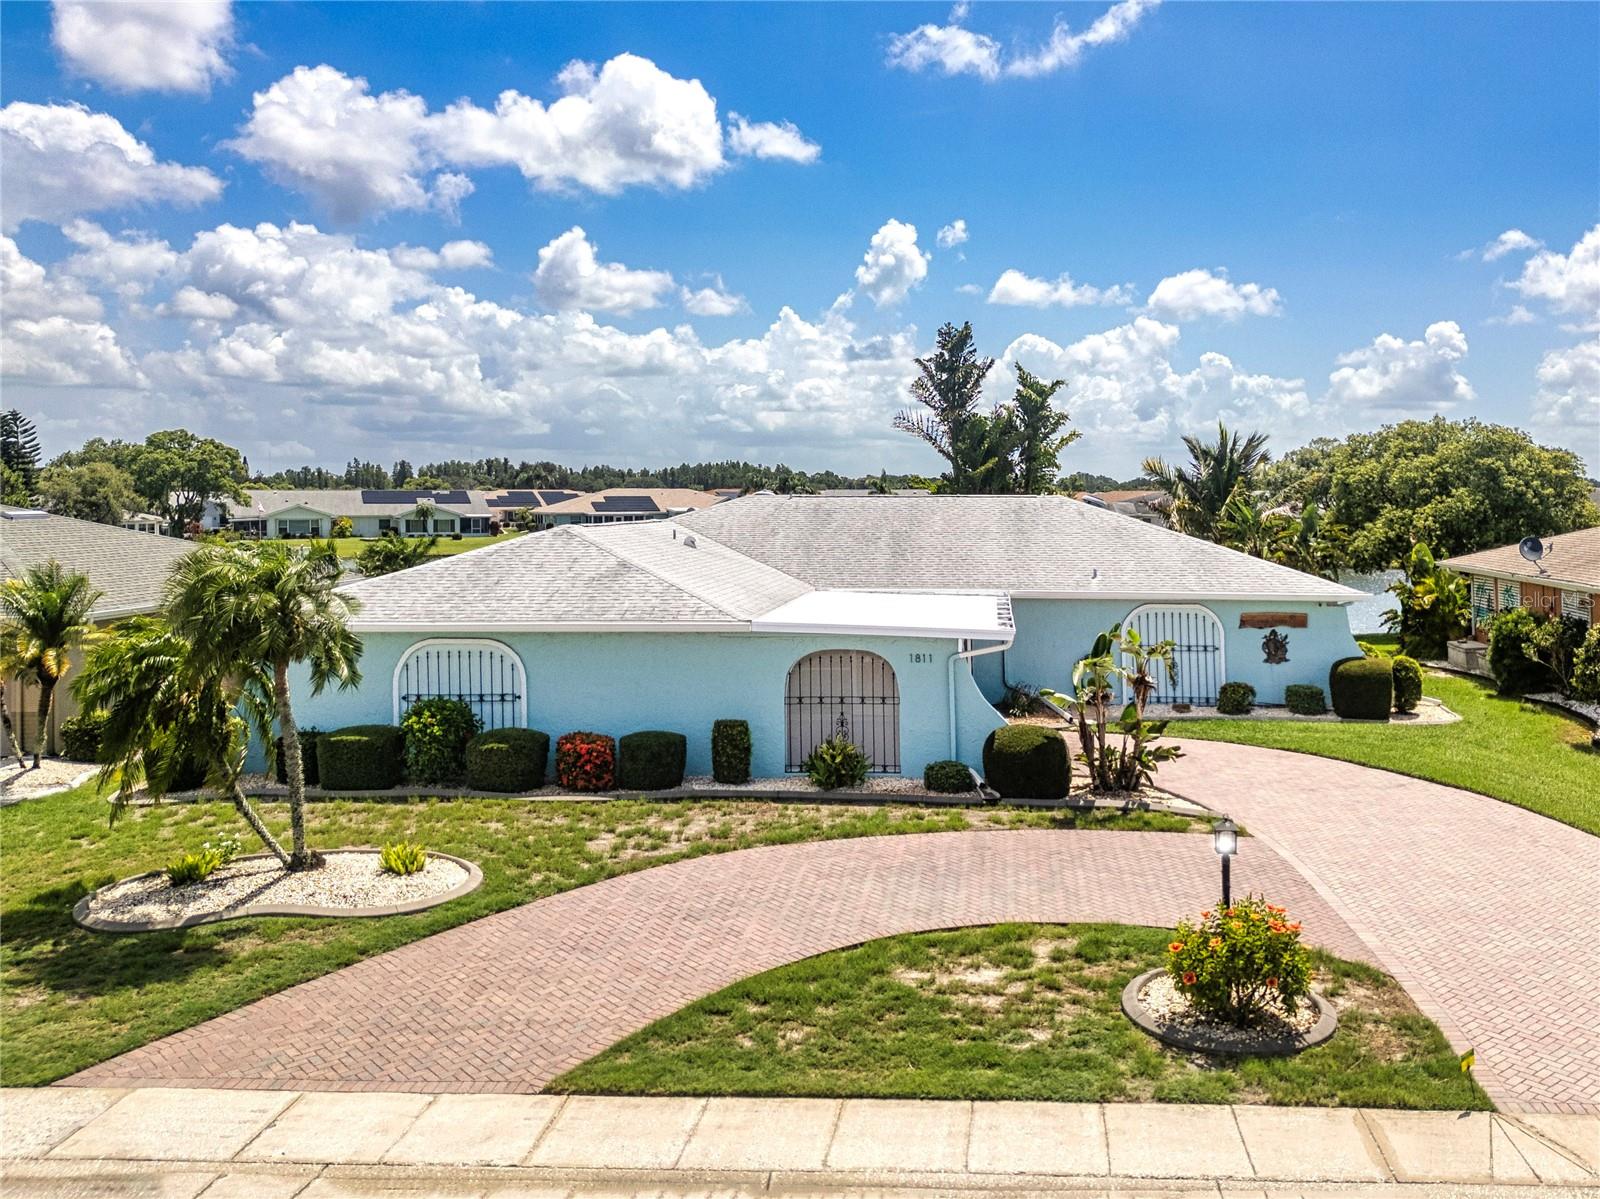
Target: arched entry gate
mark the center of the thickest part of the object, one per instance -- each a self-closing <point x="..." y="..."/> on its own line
<point x="486" y="675"/>
<point x="1197" y="650"/>
<point x="843" y="691"/>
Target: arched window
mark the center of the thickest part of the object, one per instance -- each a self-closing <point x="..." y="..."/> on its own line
<point x="1197" y="651"/>
<point x="487" y="675"/>
<point x="843" y="691"/>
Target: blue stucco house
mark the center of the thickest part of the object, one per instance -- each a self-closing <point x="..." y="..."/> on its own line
<point x="898" y="619"/>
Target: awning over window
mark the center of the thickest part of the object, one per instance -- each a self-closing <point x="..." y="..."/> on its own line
<point x="972" y="616"/>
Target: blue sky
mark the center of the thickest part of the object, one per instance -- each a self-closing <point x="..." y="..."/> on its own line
<point x="310" y="229"/>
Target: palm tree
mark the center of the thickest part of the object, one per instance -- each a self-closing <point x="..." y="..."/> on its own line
<point x="1198" y="493"/>
<point x="167" y="705"/>
<point x="269" y="605"/>
<point x="1038" y="424"/>
<point x="44" y="616"/>
<point x="391" y="552"/>
<point x="948" y="384"/>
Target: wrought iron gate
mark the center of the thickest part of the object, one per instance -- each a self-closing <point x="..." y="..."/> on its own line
<point x="843" y="691"/>
<point x="486" y="675"/>
<point x="1197" y="651"/>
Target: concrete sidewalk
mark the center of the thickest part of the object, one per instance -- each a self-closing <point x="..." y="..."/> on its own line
<point x="184" y="1143"/>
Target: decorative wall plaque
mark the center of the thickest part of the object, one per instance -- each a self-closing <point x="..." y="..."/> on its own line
<point x="1275" y="646"/>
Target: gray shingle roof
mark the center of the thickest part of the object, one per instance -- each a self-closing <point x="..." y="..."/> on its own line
<point x="1024" y="545"/>
<point x="338" y="502"/>
<point x="130" y="568"/>
<point x="734" y="584"/>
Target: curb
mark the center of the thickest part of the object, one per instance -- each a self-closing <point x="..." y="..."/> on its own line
<point x="82" y="915"/>
<point x="1204" y="1042"/>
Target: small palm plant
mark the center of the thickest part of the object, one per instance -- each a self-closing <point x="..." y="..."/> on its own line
<point x="166" y="706"/>
<point x="44" y="616"/>
<point x="269" y="606"/>
<point x="1116" y="745"/>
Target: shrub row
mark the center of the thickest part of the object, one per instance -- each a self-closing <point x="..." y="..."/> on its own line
<point x="1305" y="699"/>
<point x="1236" y="699"/>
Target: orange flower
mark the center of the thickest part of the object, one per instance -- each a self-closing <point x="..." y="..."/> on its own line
<point x="1176" y="947"/>
<point x="1295" y="927"/>
<point x="1205" y="915"/>
<point x="1216" y="942"/>
<point x="1188" y="978"/>
<point x="1272" y="984"/>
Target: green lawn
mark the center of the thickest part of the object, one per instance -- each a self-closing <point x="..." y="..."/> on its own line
<point x="350" y="547"/>
<point x="1506" y="748"/>
<point x="69" y="998"/>
<point x="1013" y="1011"/>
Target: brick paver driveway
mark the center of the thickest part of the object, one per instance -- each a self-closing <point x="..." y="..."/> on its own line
<point x="1489" y="914"/>
<point x="508" y="1002"/>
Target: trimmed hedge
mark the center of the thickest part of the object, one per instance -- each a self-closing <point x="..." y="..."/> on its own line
<point x="1305" y="699"/>
<point x="730" y="751"/>
<point x="308" y="759"/>
<point x="80" y="737"/>
<point x="1236" y="699"/>
<point x="1407" y="683"/>
<point x="1027" y="761"/>
<point x="947" y="777"/>
<point x="1586" y="667"/>
<point x="651" y="761"/>
<point x="362" y="757"/>
<point x="1362" y="688"/>
<point x="508" y="760"/>
<point x="1515" y="673"/>
<point x="586" y="761"/>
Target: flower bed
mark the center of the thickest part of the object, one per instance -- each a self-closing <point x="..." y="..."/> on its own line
<point x="1152" y="1001"/>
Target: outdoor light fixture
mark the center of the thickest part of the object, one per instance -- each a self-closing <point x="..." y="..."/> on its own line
<point x="1225" y="840"/>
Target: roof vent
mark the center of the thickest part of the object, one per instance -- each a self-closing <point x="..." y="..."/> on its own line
<point x="23" y="514"/>
<point x="689" y="541"/>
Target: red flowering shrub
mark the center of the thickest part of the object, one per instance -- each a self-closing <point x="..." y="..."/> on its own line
<point x="586" y="762"/>
<point x="1234" y="962"/>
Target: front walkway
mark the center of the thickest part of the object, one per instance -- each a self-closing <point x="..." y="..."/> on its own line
<point x="1488" y="914"/>
<point x="508" y="1002"/>
<point x="75" y="1142"/>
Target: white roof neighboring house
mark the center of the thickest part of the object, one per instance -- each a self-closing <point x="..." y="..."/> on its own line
<point x="393" y="501"/>
<point x="631" y="503"/>
<point x="130" y="568"/>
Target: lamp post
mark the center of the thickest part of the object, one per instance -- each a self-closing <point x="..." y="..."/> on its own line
<point x="1225" y="840"/>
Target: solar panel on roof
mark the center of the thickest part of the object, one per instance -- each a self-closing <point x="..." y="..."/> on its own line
<point x="626" y="503"/>
<point x="514" y="499"/>
<point x="557" y="497"/>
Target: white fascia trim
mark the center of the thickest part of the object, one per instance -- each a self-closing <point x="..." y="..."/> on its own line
<point x="837" y="630"/>
<point x="1536" y="580"/>
<point x="547" y="626"/>
<point x="1192" y="597"/>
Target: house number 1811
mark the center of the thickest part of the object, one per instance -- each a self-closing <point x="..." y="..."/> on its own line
<point x="920" y="656"/>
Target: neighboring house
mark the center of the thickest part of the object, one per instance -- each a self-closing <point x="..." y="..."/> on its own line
<point x="897" y="620"/>
<point x="145" y="522"/>
<point x="625" y="505"/>
<point x="1565" y="581"/>
<point x="308" y="512"/>
<point x="129" y="567"/>
<point x="857" y="492"/>
<point x="1141" y="505"/>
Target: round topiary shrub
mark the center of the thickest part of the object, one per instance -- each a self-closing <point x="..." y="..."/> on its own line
<point x="1027" y="761"/>
<point x="586" y="762"/>
<point x="1236" y="699"/>
<point x="947" y="777"/>
<point x="730" y="751"/>
<point x="1407" y="683"/>
<point x="1515" y="671"/>
<point x="1362" y="688"/>
<point x="1233" y="962"/>
<point x="651" y="761"/>
<point x="362" y="757"/>
<point x="1305" y="699"/>
<point x="509" y="761"/>
<point x="436" y="733"/>
<point x="80" y="737"/>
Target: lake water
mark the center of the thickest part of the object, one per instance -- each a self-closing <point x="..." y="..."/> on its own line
<point x="1366" y="616"/>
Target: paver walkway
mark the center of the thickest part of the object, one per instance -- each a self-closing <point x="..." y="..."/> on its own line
<point x="77" y="1142"/>
<point x="508" y="1002"/>
<point x="1488" y="914"/>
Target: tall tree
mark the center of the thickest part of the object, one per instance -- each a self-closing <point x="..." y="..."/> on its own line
<point x="948" y="384"/>
<point x="177" y="472"/>
<point x="1198" y="493"/>
<point x="96" y="491"/>
<point x="270" y="605"/>
<point x="1039" y="438"/>
<point x="165" y="706"/>
<point x="19" y="446"/>
<point x="44" y="616"/>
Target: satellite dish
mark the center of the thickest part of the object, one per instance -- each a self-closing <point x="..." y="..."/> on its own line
<point x="1536" y="551"/>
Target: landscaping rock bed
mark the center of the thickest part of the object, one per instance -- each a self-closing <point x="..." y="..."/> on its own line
<point x="349" y="884"/>
<point x="18" y="783"/>
<point x="1153" y="1003"/>
<point x="1429" y="711"/>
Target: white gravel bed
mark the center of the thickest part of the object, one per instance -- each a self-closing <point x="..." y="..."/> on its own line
<point x="350" y="879"/>
<point x="54" y="774"/>
<point x="1171" y="1009"/>
<point x="1429" y="711"/>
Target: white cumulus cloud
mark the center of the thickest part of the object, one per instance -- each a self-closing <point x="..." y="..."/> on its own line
<point x="1199" y="293"/>
<point x="712" y="300"/>
<point x="1512" y="241"/>
<point x="62" y="160"/>
<point x="952" y="49"/>
<point x="1568" y="399"/>
<point x="1016" y="289"/>
<point x="770" y="139"/>
<point x="951" y="235"/>
<point x="1393" y="374"/>
<point x="893" y="263"/>
<point x="1568" y="283"/>
<point x="570" y="275"/>
<point x="145" y="45"/>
